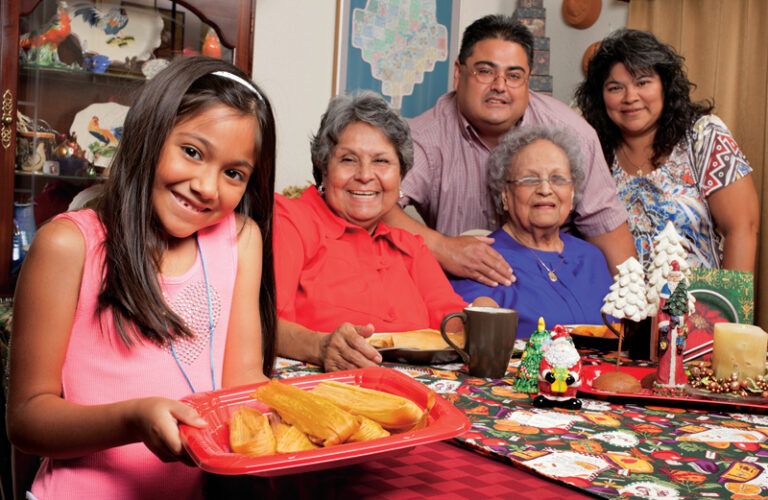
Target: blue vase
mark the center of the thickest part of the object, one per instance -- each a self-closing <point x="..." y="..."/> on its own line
<point x="18" y="253"/>
<point x="24" y="219"/>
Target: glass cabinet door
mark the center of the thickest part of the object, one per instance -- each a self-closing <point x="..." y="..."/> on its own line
<point x="80" y="64"/>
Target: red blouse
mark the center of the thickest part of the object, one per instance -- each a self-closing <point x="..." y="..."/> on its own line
<point x="329" y="271"/>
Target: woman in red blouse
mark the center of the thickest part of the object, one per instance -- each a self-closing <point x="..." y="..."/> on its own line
<point x="341" y="273"/>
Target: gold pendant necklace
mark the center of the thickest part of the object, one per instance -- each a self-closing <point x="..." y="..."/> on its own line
<point x="638" y="168"/>
<point x="550" y="272"/>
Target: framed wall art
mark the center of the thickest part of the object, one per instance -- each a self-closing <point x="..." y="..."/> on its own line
<point x="403" y="49"/>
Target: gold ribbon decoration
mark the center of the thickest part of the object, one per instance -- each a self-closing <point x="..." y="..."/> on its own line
<point x="6" y="132"/>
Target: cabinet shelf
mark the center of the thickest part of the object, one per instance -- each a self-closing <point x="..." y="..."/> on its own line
<point x="80" y="75"/>
<point x="41" y="175"/>
<point x="56" y="95"/>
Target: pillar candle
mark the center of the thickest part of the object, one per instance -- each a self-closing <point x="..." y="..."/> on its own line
<point x="739" y="349"/>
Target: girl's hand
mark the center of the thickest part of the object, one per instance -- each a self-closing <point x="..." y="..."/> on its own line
<point x="155" y="422"/>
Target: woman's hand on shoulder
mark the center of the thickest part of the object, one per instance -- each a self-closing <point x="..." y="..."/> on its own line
<point x="155" y="422"/>
<point x="346" y="348"/>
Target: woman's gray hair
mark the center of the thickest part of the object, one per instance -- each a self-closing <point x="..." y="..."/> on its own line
<point x="505" y="153"/>
<point x="366" y="107"/>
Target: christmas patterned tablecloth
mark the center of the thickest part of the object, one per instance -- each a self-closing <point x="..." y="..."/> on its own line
<point x="606" y="449"/>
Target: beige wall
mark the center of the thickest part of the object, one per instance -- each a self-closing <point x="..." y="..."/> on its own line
<point x="297" y="71"/>
<point x="567" y="44"/>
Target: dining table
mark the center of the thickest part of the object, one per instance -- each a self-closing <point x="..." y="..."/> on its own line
<point x="615" y="447"/>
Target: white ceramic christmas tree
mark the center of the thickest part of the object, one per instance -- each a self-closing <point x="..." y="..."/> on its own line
<point x="626" y="297"/>
<point x="626" y="301"/>
<point x="667" y="247"/>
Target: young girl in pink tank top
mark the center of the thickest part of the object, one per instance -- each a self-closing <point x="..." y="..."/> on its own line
<point x="165" y="288"/>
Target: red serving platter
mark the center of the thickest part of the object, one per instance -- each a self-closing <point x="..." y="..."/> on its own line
<point x="690" y="398"/>
<point x="209" y="447"/>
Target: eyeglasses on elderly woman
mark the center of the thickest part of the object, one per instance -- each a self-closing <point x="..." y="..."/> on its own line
<point x="532" y="182"/>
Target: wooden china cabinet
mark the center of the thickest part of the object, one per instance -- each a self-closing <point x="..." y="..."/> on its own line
<point x="47" y="86"/>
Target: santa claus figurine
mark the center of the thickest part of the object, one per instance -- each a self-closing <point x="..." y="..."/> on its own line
<point x="674" y="306"/>
<point x="559" y="372"/>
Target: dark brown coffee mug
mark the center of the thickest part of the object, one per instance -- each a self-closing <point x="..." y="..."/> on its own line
<point x="489" y="338"/>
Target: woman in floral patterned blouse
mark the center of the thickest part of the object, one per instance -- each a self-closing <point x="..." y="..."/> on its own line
<point x="671" y="159"/>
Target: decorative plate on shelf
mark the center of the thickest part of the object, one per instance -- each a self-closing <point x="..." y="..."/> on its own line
<point x="99" y="128"/>
<point x="118" y="32"/>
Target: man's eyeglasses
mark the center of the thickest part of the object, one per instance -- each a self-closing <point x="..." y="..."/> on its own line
<point x="514" y="78"/>
<point x="531" y="182"/>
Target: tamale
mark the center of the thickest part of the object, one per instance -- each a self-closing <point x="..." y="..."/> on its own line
<point x="381" y="341"/>
<point x="314" y="415"/>
<point x="250" y="433"/>
<point x="290" y="439"/>
<point x="368" y="430"/>
<point x="390" y="411"/>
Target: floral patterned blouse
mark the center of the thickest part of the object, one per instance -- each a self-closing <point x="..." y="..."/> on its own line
<point x="705" y="161"/>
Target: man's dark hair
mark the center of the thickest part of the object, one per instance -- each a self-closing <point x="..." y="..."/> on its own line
<point x="496" y="26"/>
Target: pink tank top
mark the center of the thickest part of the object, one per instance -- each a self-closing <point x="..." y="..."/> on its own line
<point x="100" y="369"/>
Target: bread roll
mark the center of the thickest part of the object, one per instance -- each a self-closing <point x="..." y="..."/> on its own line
<point x="617" y="382"/>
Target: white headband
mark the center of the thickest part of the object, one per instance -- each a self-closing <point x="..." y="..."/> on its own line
<point x="241" y="81"/>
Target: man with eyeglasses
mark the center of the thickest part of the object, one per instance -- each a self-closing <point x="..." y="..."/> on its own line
<point x="452" y="141"/>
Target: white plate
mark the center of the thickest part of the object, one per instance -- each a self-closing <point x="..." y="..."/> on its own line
<point x="104" y="120"/>
<point x="118" y="32"/>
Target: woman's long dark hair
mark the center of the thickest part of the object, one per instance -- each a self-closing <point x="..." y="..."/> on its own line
<point x="135" y="240"/>
<point x="640" y="52"/>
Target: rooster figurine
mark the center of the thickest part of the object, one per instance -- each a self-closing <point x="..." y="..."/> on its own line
<point x="111" y="22"/>
<point x="107" y="136"/>
<point x="559" y="372"/>
<point x="40" y="46"/>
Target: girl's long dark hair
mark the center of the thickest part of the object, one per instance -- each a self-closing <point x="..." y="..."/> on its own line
<point x="135" y="240"/>
<point x="640" y="52"/>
